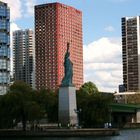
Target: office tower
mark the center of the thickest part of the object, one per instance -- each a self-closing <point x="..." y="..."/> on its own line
<point x="4" y="47"/>
<point x="23" y="56"/>
<point x="55" y="25"/>
<point x="131" y="53"/>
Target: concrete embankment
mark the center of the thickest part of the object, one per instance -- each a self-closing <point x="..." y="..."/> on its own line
<point x="132" y="125"/>
<point x="60" y="133"/>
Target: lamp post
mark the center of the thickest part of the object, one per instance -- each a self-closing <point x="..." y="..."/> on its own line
<point x="110" y="119"/>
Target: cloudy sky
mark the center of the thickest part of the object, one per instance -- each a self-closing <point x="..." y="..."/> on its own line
<point x="101" y="34"/>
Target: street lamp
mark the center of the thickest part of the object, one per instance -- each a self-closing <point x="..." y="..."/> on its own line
<point x="110" y="118"/>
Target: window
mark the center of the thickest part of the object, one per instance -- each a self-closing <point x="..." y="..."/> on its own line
<point x="2" y="24"/>
<point x="3" y="11"/>
<point x="2" y="64"/>
<point x="8" y="13"/>
<point x="4" y="38"/>
<point x="4" y="51"/>
<point x="4" y="77"/>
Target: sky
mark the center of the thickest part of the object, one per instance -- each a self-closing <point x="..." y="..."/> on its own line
<point x="101" y="34"/>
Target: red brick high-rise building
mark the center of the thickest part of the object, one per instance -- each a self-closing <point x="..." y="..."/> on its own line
<point x="55" y="25"/>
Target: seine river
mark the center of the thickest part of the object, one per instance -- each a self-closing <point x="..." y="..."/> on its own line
<point x="124" y="135"/>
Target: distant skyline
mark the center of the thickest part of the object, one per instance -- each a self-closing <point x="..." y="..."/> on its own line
<point x="101" y="34"/>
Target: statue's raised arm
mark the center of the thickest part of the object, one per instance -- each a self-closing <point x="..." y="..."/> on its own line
<point x="68" y="69"/>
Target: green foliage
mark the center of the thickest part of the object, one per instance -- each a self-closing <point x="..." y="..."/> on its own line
<point x="19" y="105"/>
<point x="94" y="105"/>
<point x="22" y="104"/>
<point x="6" y="115"/>
<point x="49" y="101"/>
<point x="89" y="88"/>
<point x="20" y="87"/>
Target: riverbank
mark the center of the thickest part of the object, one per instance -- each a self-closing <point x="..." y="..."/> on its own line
<point x="60" y="133"/>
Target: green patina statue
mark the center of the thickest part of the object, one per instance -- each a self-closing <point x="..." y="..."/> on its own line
<point x="68" y="66"/>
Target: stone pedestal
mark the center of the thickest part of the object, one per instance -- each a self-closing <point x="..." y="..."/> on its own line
<point x="67" y="106"/>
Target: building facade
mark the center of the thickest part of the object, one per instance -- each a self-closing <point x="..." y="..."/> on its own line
<point x="131" y="53"/>
<point x="23" y="56"/>
<point x="4" y="47"/>
<point x="55" y="25"/>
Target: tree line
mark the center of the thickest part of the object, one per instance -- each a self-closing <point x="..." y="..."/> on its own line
<point x="23" y="104"/>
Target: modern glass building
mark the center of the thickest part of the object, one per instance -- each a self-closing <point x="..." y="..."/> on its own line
<point x="4" y="47"/>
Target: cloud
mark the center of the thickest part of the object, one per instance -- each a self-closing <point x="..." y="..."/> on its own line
<point x="15" y="8"/>
<point x="30" y="7"/>
<point x="103" y="66"/>
<point x="103" y="50"/>
<point x="109" y="29"/>
<point x="13" y="27"/>
<point x="102" y="63"/>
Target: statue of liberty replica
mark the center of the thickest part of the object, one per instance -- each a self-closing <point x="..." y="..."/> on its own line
<point x="68" y="65"/>
<point x="67" y="94"/>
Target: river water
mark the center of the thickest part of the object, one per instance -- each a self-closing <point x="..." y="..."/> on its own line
<point x="124" y="135"/>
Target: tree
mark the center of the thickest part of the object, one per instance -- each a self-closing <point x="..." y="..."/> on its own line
<point x="6" y="111"/>
<point x="20" y="87"/>
<point x="19" y="104"/>
<point x="89" y="88"/>
<point x="22" y="104"/>
<point x="48" y="100"/>
<point x="94" y="105"/>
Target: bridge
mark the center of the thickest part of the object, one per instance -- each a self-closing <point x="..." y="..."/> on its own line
<point x="124" y="114"/>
